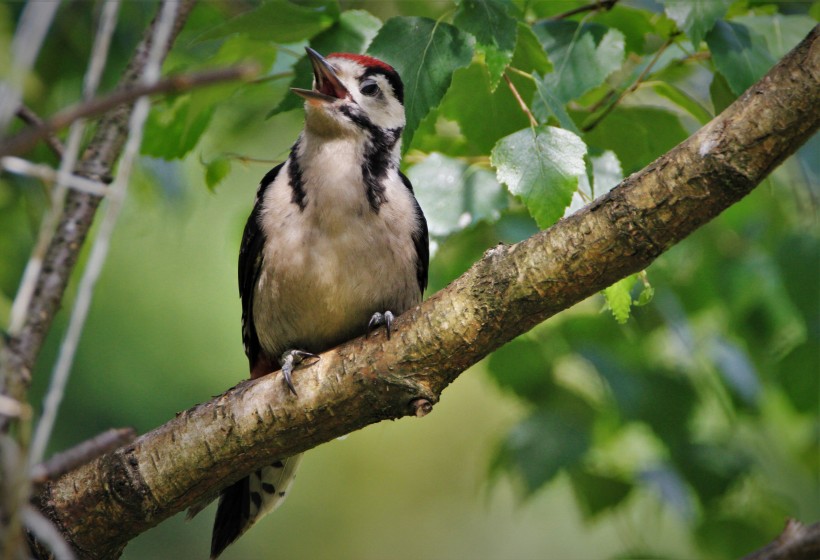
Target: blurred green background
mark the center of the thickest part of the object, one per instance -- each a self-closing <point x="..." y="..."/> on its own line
<point x="689" y="431"/>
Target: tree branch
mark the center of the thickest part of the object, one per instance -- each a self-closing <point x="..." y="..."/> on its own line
<point x="26" y="139"/>
<point x="17" y="355"/>
<point x="82" y="453"/>
<point x="32" y="119"/>
<point x="598" y="5"/>
<point x="632" y="87"/>
<point x="100" y="506"/>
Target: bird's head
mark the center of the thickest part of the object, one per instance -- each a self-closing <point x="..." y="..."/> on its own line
<point x="351" y="94"/>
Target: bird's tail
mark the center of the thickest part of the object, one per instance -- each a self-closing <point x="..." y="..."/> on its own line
<point x="246" y="501"/>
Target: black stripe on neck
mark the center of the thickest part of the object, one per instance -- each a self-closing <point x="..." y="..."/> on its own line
<point x="297" y="183"/>
<point x="378" y="156"/>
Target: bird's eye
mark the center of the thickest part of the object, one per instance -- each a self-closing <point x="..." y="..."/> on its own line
<point x="370" y="88"/>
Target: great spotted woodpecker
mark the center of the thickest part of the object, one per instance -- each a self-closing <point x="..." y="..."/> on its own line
<point x="336" y="245"/>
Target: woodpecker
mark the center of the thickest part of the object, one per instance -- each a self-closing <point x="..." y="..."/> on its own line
<point x="336" y="245"/>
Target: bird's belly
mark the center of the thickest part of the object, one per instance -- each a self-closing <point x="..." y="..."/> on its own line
<point x="321" y="288"/>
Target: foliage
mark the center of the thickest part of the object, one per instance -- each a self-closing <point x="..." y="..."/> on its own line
<point x="684" y="395"/>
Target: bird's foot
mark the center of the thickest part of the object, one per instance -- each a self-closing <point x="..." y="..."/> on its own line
<point x="289" y="361"/>
<point x="379" y="319"/>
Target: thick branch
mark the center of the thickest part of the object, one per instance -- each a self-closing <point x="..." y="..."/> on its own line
<point x="105" y="503"/>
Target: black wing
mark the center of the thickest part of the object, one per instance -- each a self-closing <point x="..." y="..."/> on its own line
<point x="250" y="264"/>
<point x="421" y="239"/>
<point x="232" y="515"/>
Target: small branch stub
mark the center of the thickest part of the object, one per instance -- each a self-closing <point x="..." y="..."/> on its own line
<point x="421" y="407"/>
<point x="83" y="453"/>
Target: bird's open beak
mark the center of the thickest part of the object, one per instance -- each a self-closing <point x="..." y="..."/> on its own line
<point x="327" y="86"/>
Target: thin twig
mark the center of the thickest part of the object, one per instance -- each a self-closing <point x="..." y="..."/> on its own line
<point x="81" y="454"/>
<point x="31" y="118"/>
<point x="596" y="6"/>
<point x="28" y="38"/>
<point x="250" y="159"/>
<point x="64" y="178"/>
<point x="696" y="57"/>
<point x="26" y="139"/>
<point x="589" y="126"/>
<point x="598" y="104"/>
<point x="99" y="251"/>
<point x="13" y="408"/>
<point x="38" y="525"/>
<point x="521" y="73"/>
<point x="19" y="352"/>
<point x="46" y="533"/>
<point x="521" y="103"/>
<point x="416" y="156"/>
<point x="46" y="174"/>
<point x="272" y="77"/>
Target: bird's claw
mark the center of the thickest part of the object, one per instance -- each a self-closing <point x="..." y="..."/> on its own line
<point x="289" y="361"/>
<point x="379" y="319"/>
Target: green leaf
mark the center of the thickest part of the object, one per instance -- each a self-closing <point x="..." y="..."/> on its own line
<point x="721" y="93"/>
<point x="582" y="57"/>
<point x="458" y="252"/>
<point x="647" y="295"/>
<point x="454" y="195"/>
<point x="797" y="259"/>
<point x="637" y="135"/>
<point x="425" y="53"/>
<point x="681" y="99"/>
<point x="522" y="367"/>
<point x="781" y="32"/>
<point x="439" y="133"/>
<point x="635" y="24"/>
<point x="643" y="392"/>
<point x="732" y="536"/>
<point x="670" y="488"/>
<point x="736" y="369"/>
<point x="606" y="174"/>
<point x="596" y="493"/>
<point x="215" y="171"/>
<point x="546" y="103"/>
<point x="229" y="51"/>
<point x="712" y="468"/>
<point x="542" y="166"/>
<point x="483" y="116"/>
<point x="496" y="61"/>
<point x="280" y="22"/>
<point x="739" y="54"/>
<point x="550" y="440"/>
<point x="354" y="30"/>
<point x="489" y="20"/>
<point x="696" y="17"/>
<point x="619" y="298"/>
<point x="494" y="29"/>
<point x="172" y="132"/>
<point x="529" y="56"/>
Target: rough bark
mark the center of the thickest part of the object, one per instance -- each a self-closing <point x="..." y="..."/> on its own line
<point x="102" y="505"/>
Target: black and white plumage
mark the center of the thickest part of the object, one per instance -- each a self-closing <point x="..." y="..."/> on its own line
<point x="336" y="244"/>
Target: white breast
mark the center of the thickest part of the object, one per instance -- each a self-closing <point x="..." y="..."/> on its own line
<point x="329" y="267"/>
